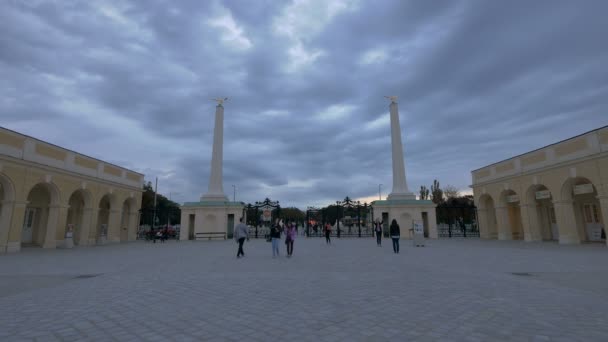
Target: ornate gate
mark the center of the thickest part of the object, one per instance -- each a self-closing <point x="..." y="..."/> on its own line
<point x="262" y="214"/>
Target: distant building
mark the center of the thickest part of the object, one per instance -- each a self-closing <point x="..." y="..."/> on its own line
<point x="558" y="192"/>
<point x="48" y="193"/>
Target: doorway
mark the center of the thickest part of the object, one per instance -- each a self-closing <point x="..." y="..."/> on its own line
<point x="27" y="234"/>
<point x="230" y="228"/>
<point x="593" y="224"/>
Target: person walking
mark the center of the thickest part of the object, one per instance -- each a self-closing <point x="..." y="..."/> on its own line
<point x="328" y="233"/>
<point x="378" y="230"/>
<point x="290" y="235"/>
<point x="275" y="235"/>
<point x="240" y="234"/>
<point x="395" y="235"/>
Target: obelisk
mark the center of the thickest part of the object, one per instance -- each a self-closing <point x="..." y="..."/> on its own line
<point x="216" y="187"/>
<point x="400" y="190"/>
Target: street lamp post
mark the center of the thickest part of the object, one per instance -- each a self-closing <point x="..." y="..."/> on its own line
<point x="380" y="192"/>
<point x="233" y="193"/>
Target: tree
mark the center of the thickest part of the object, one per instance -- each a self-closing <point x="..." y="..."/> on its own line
<point x="165" y="209"/>
<point x="451" y="191"/>
<point x="424" y="192"/>
<point x="437" y="193"/>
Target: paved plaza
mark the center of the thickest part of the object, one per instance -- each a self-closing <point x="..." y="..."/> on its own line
<point x="450" y="290"/>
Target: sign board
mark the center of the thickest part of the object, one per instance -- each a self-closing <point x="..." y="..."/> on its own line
<point x="513" y="198"/>
<point x="543" y="194"/>
<point x="418" y="230"/>
<point x="418" y="227"/>
<point x="267" y="214"/>
<point x="583" y="189"/>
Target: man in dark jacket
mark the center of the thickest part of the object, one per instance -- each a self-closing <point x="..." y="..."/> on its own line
<point x="395" y="235"/>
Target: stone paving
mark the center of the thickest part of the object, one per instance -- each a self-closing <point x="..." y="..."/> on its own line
<point x="450" y="290"/>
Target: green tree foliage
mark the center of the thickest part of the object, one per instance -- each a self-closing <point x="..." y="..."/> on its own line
<point x="165" y="209"/>
<point x="424" y="192"/>
<point x="436" y="192"/>
<point x="293" y="214"/>
<point x="451" y="191"/>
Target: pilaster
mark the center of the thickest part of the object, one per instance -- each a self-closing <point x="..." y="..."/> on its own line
<point x="530" y="222"/>
<point x="604" y="209"/>
<point x="502" y="222"/>
<point x="5" y="223"/>
<point x="14" y="235"/>
<point x="566" y="222"/>
<point x="114" y="225"/>
<point x="482" y="224"/>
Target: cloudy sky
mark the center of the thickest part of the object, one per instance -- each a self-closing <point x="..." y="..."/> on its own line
<point x="130" y="82"/>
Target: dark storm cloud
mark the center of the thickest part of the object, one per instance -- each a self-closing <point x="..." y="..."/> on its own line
<point x="477" y="81"/>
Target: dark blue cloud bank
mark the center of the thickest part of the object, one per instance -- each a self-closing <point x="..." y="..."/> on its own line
<point x="131" y="81"/>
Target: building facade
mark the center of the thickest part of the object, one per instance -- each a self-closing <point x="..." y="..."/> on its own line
<point x="50" y="196"/>
<point x="558" y="192"/>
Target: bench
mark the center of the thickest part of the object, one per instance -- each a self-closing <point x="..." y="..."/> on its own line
<point x="210" y="235"/>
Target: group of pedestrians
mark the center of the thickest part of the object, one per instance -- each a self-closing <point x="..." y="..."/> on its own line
<point x="290" y="231"/>
<point x="394" y="231"/>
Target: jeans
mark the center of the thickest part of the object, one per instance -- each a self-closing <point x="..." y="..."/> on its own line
<point x="240" y="252"/>
<point x="289" y="244"/>
<point x="379" y="238"/>
<point x="396" y="245"/>
<point x="275" y="247"/>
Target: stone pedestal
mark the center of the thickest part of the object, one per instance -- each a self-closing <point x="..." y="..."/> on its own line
<point x="211" y="217"/>
<point x="405" y="212"/>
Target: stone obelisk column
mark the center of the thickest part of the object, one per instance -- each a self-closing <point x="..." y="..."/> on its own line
<point x="400" y="190"/>
<point x="216" y="187"/>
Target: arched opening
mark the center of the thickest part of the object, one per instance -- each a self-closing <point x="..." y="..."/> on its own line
<point x="543" y="222"/>
<point x="126" y="221"/>
<point x="103" y="219"/>
<point x="40" y="216"/>
<point x="487" y="217"/>
<point x="509" y="199"/>
<point x="79" y="200"/>
<point x="587" y="213"/>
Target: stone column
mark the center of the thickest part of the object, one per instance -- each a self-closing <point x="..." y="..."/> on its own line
<point x="133" y="226"/>
<point x="84" y="230"/>
<point x="566" y="222"/>
<point x="503" y="224"/>
<point x="431" y="216"/>
<point x="61" y="224"/>
<point x="5" y="223"/>
<point x="530" y="223"/>
<point x="51" y="227"/>
<point x="604" y="209"/>
<point x="14" y="235"/>
<point x="400" y="190"/>
<point x="114" y="225"/>
<point x="483" y="224"/>
<point x="216" y="187"/>
<point x="184" y="230"/>
<point x="93" y="231"/>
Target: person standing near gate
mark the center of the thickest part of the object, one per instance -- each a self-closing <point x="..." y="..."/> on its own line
<point x="395" y="235"/>
<point x="327" y="233"/>
<point x="240" y="234"/>
<point x="275" y="235"/>
<point x="290" y="235"/>
<point x="378" y="230"/>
